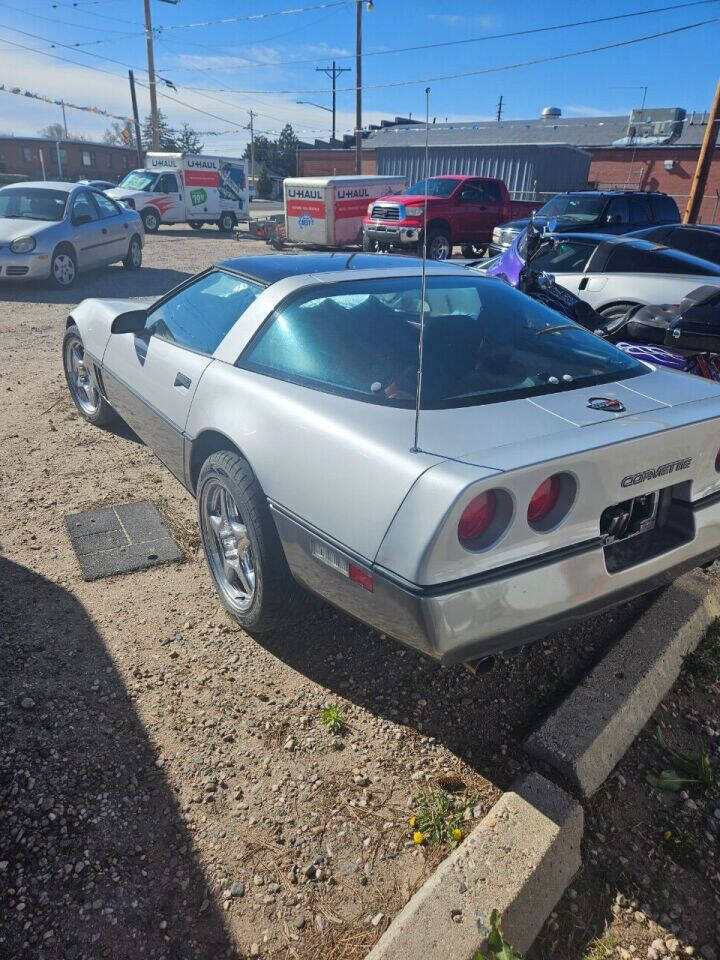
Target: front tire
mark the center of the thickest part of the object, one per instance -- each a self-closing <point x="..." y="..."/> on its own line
<point x="226" y="223"/>
<point x="63" y="267"/>
<point x="151" y="220"/>
<point x="86" y="395"/>
<point x="439" y="244"/>
<point x="133" y="260"/>
<point x="241" y="545"/>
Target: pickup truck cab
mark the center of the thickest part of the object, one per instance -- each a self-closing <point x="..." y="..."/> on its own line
<point x="460" y="210"/>
<point x="594" y="211"/>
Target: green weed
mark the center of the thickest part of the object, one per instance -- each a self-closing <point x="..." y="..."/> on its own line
<point x="334" y="719"/>
<point x="498" y="947"/>
<point x="693" y="770"/>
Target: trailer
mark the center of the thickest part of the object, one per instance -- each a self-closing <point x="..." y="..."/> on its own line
<point x="329" y="211"/>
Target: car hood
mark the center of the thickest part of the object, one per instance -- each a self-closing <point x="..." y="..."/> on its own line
<point x="12" y="228"/>
<point x="498" y="436"/>
<point x="409" y="201"/>
<point x="119" y="193"/>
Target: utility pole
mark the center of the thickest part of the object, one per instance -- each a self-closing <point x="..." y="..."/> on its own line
<point x="154" y="121"/>
<point x="138" y="138"/>
<point x="253" y="171"/>
<point x="62" y="104"/>
<point x="499" y="109"/>
<point x="332" y="72"/>
<point x="358" y="87"/>
<point x="697" y="190"/>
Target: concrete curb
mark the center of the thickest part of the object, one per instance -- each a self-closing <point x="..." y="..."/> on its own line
<point x="518" y="860"/>
<point x="594" y="726"/>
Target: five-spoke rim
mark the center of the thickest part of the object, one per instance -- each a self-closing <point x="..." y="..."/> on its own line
<point x="227" y="545"/>
<point x="85" y="393"/>
<point x="439" y="248"/>
<point x="63" y="269"/>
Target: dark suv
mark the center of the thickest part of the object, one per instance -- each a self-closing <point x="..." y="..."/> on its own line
<point x="595" y="211"/>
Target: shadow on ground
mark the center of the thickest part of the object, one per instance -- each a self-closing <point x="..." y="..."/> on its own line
<point x="112" y="281"/>
<point x="94" y="855"/>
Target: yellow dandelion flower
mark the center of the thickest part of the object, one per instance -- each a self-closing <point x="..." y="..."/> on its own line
<point x="667" y="834"/>
<point x="418" y="837"/>
<point x="411" y="821"/>
<point x="457" y="834"/>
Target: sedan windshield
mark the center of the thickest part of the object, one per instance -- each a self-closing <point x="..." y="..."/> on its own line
<point x="433" y="187"/>
<point x="139" y="180"/>
<point x="483" y="342"/>
<point x="32" y="203"/>
<point x="582" y="209"/>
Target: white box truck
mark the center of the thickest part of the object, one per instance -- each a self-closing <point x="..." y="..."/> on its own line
<point x="329" y="211"/>
<point x="175" y="188"/>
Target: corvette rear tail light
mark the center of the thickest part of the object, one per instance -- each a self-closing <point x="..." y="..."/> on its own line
<point x="477" y="517"/>
<point x="544" y="500"/>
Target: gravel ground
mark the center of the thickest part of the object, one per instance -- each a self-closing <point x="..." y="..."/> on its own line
<point x="167" y="787"/>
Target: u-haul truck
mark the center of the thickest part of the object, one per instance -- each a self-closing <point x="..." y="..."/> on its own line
<point x="175" y="188"/>
<point x="329" y="211"/>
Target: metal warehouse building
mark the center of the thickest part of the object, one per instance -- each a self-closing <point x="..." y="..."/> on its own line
<point x="528" y="170"/>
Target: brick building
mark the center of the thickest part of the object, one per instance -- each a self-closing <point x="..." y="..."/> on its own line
<point x="24" y="157"/>
<point x="651" y="149"/>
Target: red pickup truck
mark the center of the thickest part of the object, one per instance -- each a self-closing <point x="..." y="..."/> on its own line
<point x="461" y="210"/>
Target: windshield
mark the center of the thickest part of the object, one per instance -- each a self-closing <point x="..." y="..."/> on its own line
<point x="139" y="180"/>
<point x="434" y="187"/>
<point x="484" y="342"/>
<point x="32" y="203"/>
<point x="583" y="209"/>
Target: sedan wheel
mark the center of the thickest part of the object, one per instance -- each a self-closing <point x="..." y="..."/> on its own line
<point x="133" y="260"/>
<point x="241" y="543"/>
<point x="228" y="546"/>
<point x="81" y="382"/>
<point x="63" y="269"/>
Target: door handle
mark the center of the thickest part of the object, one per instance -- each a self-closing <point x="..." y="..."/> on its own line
<point x="104" y="229"/>
<point x="583" y="283"/>
<point x="182" y="381"/>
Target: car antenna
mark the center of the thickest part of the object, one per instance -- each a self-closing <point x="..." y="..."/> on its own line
<point x="423" y="281"/>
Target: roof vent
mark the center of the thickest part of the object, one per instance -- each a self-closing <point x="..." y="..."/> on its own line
<point x="548" y="112"/>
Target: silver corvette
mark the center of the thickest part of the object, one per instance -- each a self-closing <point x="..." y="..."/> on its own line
<point x="553" y="475"/>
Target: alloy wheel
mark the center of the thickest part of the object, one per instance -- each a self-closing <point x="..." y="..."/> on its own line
<point x="63" y="268"/>
<point x="227" y="545"/>
<point x="136" y="253"/>
<point x="84" y="391"/>
<point x="439" y="248"/>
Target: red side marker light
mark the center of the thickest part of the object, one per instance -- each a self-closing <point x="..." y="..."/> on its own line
<point x="360" y="576"/>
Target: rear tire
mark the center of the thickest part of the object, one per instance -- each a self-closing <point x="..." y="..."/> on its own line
<point x="226" y="223"/>
<point x="242" y="547"/>
<point x="86" y="395"/>
<point x="616" y="310"/>
<point x="196" y="224"/>
<point x="133" y="260"/>
<point x="151" y="220"/>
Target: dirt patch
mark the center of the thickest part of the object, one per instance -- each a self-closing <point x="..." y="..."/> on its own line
<point x="167" y="786"/>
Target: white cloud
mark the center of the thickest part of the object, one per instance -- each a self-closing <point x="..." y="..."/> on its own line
<point x="463" y="20"/>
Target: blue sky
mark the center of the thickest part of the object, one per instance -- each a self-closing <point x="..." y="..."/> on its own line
<point x="210" y="65"/>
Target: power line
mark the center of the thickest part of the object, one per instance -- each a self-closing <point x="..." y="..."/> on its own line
<point x="486" y="70"/>
<point x="495" y="36"/>
<point x="259" y="16"/>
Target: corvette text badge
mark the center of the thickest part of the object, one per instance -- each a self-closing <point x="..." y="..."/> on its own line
<point x="655" y="472"/>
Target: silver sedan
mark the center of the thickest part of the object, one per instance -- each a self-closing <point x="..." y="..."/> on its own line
<point x="548" y="476"/>
<point x="54" y="230"/>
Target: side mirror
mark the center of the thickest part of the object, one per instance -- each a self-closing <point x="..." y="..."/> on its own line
<point x="546" y="280"/>
<point x="133" y="321"/>
<point x="80" y="218"/>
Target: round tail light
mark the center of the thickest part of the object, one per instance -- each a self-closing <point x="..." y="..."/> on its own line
<point x="477" y="517"/>
<point x="544" y="500"/>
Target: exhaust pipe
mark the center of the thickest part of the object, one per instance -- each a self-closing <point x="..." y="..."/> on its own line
<point x="479" y="667"/>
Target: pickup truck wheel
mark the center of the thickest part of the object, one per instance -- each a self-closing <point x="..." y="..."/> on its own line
<point x="151" y="220"/>
<point x="439" y="246"/>
<point x="368" y="245"/>
<point x="241" y="544"/>
<point x="196" y="224"/>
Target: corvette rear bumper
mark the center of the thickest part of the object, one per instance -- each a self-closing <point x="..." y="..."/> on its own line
<point x="506" y="608"/>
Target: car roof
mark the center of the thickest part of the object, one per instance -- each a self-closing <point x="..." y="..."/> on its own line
<point x="271" y="269"/>
<point x="610" y="193"/>
<point x="47" y="185"/>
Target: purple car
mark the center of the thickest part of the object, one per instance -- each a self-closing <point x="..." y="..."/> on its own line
<point x="508" y="264"/>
